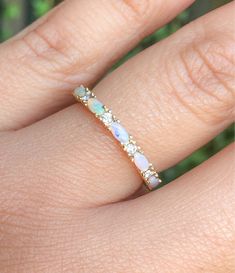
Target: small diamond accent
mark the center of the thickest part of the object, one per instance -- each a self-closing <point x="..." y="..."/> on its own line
<point x="147" y="174"/>
<point x="87" y="96"/>
<point x="107" y="118"/>
<point x="131" y="148"/>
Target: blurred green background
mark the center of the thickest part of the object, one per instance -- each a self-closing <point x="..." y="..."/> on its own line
<point x="16" y="14"/>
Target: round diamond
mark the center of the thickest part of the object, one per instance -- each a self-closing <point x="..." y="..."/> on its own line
<point x="131" y="148"/>
<point x="87" y="96"/>
<point x="107" y="118"/>
<point x="147" y="174"/>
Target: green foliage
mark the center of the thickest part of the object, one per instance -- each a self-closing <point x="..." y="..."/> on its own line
<point x="40" y="7"/>
<point x="12" y="11"/>
<point x="200" y="155"/>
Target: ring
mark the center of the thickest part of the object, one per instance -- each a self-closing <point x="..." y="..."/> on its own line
<point x="129" y="145"/>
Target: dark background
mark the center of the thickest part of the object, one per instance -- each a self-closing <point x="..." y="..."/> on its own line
<point x="16" y="14"/>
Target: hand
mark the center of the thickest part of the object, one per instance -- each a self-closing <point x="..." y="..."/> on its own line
<point x="64" y="177"/>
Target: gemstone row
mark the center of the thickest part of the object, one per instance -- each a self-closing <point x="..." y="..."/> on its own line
<point x="146" y="169"/>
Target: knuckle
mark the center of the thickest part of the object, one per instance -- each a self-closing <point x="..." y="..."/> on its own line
<point x="204" y="79"/>
<point x="134" y="10"/>
<point x="46" y="39"/>
<point x="48" y="49"/>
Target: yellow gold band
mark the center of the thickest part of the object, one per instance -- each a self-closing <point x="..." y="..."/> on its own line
<point x="146" y="169"/>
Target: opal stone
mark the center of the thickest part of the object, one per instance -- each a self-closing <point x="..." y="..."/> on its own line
<point x="96" y="106"/>
<point x="141" y="162"/>
<point x="80" y="91"/>
<point x="153" y="181"/>
<point x="119" y="132"/>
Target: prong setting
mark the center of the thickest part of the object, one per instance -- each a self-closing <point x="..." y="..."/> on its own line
<point x="135" y="153"/>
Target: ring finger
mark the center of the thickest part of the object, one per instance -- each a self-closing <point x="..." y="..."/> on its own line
<point x="173" y="98"/>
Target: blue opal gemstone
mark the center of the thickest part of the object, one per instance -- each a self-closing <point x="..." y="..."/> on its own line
<point x="119" y="132"/>
<point x="96" y="106"/>
<point x="80" y="91"/>
<point x="141" y="161"/>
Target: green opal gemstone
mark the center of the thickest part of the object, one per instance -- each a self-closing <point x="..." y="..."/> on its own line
<point x="80" y="91"/>
<point x="96" y="106"/>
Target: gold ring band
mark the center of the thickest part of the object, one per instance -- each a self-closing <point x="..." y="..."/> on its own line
<point x="135" y="153"/>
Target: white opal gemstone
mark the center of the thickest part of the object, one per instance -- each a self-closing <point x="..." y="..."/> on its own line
<point x="119" y="132"/>
<point x="96" y="106"/>
<point x="80" y="91"/>
<point x="153" y="181"/>
<point x="141" y="162"/>
<point x="131" y="148"/>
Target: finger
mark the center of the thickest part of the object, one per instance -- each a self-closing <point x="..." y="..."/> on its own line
<point x="184" y="227"/>
<point x="75" y="43"/>
<point x="169" y="115"/>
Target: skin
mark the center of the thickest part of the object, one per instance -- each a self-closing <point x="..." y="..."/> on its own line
<point x="68" y="200"/>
